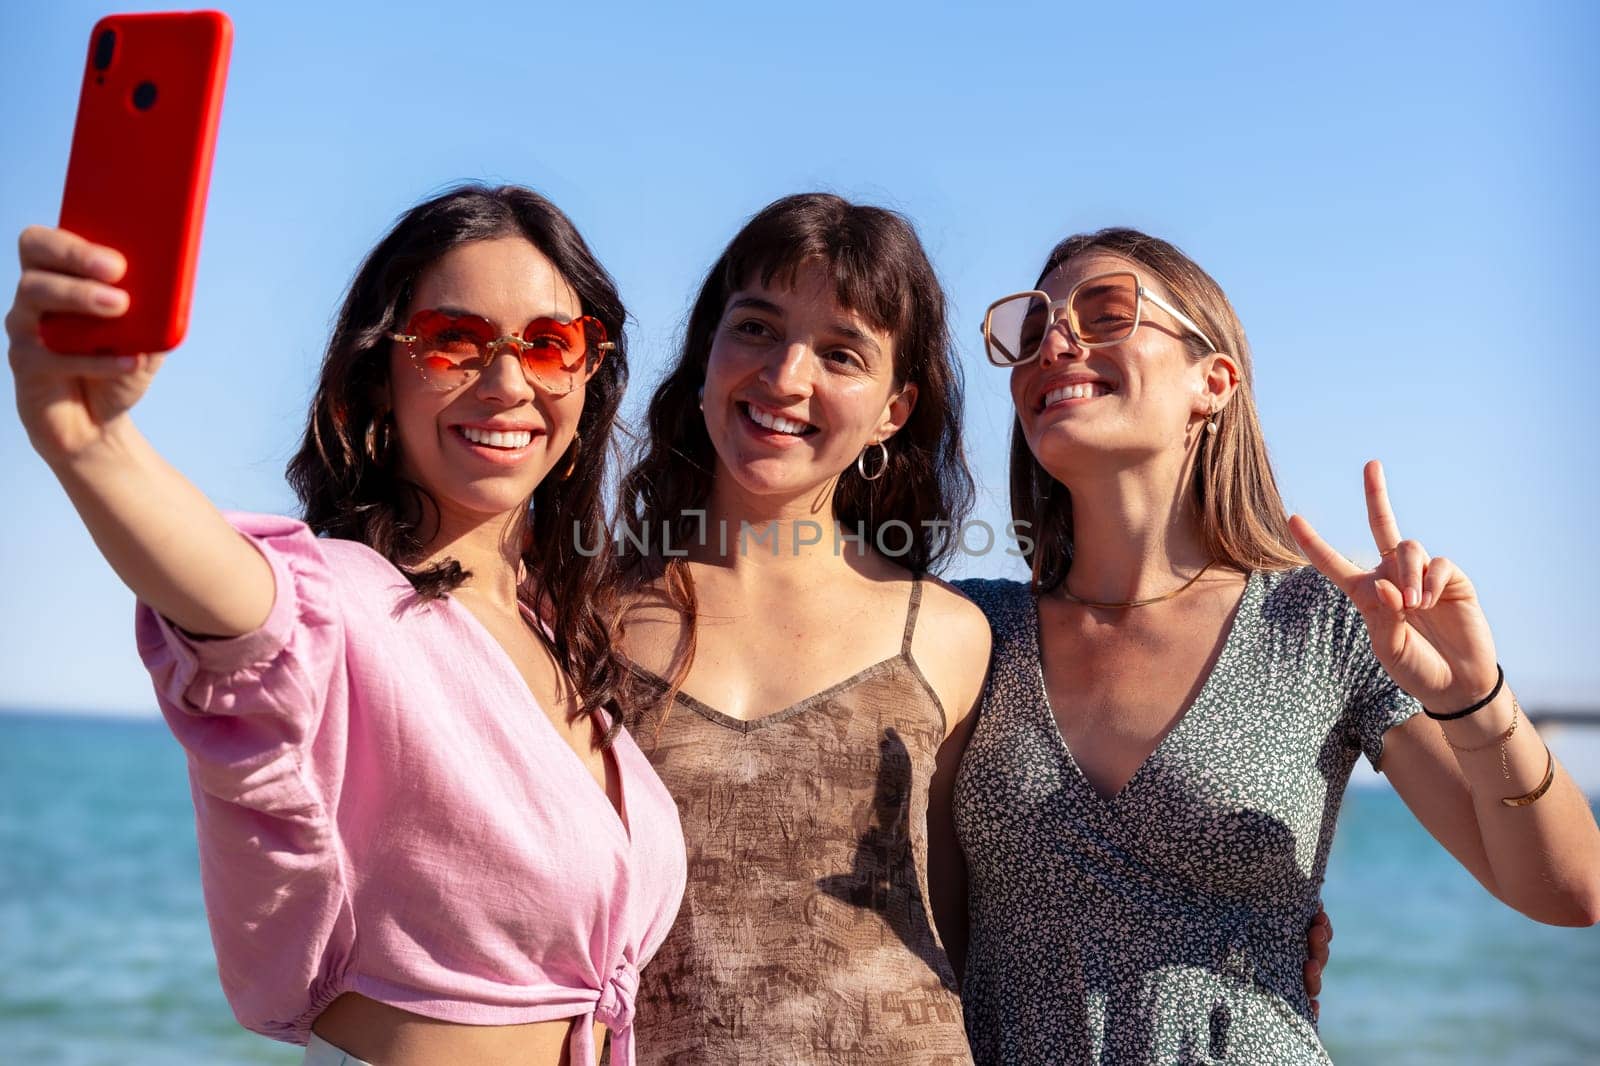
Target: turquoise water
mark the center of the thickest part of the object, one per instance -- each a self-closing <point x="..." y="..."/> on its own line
<point x="105" y="957"/>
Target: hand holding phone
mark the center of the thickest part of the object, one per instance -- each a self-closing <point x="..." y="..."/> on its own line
<point x="166" y="541"/>
<point x="140" y="167"/>
<point x="70" y="407"/>
<point x="114" y="281"/>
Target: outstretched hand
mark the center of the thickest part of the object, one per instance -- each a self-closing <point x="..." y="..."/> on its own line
<point x="1422" y="613"/>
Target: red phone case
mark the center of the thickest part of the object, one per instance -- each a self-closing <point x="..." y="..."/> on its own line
<point x="140" y="166"/>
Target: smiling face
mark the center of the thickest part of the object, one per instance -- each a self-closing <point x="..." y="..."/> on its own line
<point x="481" y="449"/>
<point x="1084" y="408"/>
<point x="796" y="386"/>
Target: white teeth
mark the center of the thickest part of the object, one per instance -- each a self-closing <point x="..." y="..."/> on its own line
<point x="1076" y="392"/>
<point x="516" y="438"/>
<point x="782" y="425"/>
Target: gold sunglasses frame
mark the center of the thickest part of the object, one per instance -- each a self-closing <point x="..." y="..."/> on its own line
<point x="492" y="352"/>
<point x="1058" y="312"/>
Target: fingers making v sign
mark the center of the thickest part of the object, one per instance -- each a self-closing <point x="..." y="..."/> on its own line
<point x="1422" y="613"/>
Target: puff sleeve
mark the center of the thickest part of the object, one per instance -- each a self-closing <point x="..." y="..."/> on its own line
<point x="262" y="720"/>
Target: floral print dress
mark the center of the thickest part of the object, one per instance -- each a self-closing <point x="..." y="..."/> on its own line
<point x="1168" y="923"/>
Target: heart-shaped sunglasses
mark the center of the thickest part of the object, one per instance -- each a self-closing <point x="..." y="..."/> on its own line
<point x="450" y="350"/>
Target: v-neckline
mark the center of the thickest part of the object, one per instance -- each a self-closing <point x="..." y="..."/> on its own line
<point x="1229" y="641"/>
<point x="618" y="810"/>
<point x="782" y="714"/>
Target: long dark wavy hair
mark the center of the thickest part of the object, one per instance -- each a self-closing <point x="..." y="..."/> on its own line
<point x="352" y="491"/>
<point x="1242" y="518"/>
<point x="881" y="273"/>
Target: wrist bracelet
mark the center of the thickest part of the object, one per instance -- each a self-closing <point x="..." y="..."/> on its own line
<point x="1500" y="680"/>
<point x="1505" y="766"/>
<point x="1543" y="787"/>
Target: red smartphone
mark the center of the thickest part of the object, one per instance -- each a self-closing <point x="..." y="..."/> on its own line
<point x="140" y="167"/>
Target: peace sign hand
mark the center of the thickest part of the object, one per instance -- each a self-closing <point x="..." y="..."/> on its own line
<point x="1422" y="613"/>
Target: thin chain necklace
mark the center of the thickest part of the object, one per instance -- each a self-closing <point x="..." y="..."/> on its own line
<point x="1137" y="603"/>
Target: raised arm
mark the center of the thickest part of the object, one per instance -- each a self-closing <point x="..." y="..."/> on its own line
<point x="1482" y="782"/>
<point x="166" y="541"/>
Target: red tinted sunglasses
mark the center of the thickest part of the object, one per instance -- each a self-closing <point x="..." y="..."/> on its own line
<point x="451" y="350"/>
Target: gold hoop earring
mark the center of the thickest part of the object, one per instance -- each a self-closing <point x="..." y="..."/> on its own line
<point x="379" y="439"/>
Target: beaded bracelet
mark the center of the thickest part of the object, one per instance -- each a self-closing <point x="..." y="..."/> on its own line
<point x="1500" y="680"/>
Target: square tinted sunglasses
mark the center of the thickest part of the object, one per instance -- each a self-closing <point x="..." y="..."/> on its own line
<point x="1100" y="310"/>
<point x="450" y="349"/>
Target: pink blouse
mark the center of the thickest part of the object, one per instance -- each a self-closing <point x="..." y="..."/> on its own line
<point x="382" y="808"/>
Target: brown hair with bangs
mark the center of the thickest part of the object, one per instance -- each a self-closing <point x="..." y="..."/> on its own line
<point x="881" y="273"/>
<point x="1242" y="518"/>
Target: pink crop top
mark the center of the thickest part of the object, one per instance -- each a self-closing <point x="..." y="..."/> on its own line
<point x="383" y="809"/>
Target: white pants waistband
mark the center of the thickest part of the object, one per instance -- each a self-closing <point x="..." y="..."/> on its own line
<point x="321" y="1053"/>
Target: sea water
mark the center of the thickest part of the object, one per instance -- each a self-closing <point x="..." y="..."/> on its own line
<point x="105" y="957"/>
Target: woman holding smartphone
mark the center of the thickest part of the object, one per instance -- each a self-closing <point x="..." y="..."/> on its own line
<point x="1177" y="700"/>
<point x="422" y="837"/>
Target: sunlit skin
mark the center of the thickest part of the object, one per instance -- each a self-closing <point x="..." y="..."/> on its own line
<point x="76" y="416"/>
<point x="795" y="353"/>
<point x="508" y="282"/>
<point x="1128" y="455"/>
<point x="1158" y="400"/>
<point x="482" y="493"/>
<point x="776" y="627"/>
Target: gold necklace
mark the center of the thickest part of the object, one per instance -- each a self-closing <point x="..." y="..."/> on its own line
<point x="1136" y="603"/>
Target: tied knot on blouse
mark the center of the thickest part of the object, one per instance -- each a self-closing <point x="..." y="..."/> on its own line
<point x="614" y="1009"/>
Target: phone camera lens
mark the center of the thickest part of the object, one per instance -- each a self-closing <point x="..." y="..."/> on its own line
<point x="104" y="46"/>
<point x="144" y="96"/>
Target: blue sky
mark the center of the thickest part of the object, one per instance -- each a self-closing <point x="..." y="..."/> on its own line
<point x="1398" y="198"/>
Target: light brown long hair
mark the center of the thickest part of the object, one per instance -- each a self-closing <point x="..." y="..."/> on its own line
<point x="1242" y="518"/>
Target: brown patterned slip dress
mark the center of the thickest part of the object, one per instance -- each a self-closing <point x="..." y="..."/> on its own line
<point x="805" y="934"/>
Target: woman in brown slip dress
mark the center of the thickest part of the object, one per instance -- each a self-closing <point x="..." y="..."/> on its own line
<point x="800" y="680"/>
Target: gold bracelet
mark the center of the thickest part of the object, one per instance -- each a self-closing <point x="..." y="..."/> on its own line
<point x="1544" y="786"/>
<point x="1505" y="768"/>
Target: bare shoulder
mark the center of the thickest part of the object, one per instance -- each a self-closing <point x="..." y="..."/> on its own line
<point x="951" y="621"/>
<point x="652" y="627"/>
<point x="951" y="647"/>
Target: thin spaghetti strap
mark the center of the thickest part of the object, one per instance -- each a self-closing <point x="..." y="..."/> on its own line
<point x="911" y="614"/>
